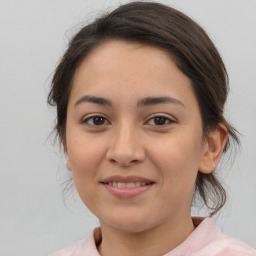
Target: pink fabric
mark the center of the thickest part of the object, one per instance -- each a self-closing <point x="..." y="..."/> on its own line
<point x="206" y="240"/>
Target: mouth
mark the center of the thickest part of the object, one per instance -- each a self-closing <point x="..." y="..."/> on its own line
<point x="127" y="184"/>
<point x="126" y="187"/>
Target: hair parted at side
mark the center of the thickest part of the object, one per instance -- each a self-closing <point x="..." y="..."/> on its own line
<point x="189" y="46"/>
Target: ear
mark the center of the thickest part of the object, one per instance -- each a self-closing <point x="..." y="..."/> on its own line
<point x="213" y="149"/>
<point x="68" y="164"/>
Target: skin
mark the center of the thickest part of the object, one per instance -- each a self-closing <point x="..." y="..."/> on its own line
<point x="129" y="140"/>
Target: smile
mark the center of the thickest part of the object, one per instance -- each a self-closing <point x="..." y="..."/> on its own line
<point x="126" y="187"/>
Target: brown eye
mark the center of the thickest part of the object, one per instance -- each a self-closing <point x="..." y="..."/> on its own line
<point x="96" y="121"/>
<point x="160" y="121"/>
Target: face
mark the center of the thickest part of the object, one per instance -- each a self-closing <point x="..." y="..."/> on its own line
<point x="134" y="139"/>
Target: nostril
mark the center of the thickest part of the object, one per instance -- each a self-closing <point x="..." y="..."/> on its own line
<point x="125" y="156"/>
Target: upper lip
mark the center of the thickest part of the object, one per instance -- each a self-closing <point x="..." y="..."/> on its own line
<point x="125" y="179"/>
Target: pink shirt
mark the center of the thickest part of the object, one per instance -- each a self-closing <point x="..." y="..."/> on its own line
<point x="206" y="240"/>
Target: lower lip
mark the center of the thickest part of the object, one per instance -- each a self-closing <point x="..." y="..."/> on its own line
<point x="127" y="192"/>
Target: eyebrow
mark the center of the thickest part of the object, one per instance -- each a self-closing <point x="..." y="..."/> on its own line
<point x="94" y="99"/>
<point x="148" y="101"/>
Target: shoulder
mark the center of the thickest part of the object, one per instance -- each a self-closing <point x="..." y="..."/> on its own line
<point x="68" y="251"/>
<point x="85" y="247"/>
<point x="226" y="247"/>
<point x="220" y="244"/>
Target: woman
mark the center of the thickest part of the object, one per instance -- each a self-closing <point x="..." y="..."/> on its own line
<point x="140" y="94"/>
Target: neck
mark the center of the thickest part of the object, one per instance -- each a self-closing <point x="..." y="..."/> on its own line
<point x="155" y="241"/>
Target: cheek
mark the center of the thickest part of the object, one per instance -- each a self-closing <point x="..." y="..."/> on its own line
<point x="177" y="159"/>
<point x="85" y="155"/>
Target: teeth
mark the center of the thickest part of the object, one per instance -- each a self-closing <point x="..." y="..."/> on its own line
<point x="127" y="185"/>
<point x="121" y="185"/>
<point x="130" y="185"/>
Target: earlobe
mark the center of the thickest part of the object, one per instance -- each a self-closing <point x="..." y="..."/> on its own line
<point x="213" y="149"/>
<point x="68" y="163"/>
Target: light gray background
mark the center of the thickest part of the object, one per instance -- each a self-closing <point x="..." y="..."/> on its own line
<point x="34" y="34"/>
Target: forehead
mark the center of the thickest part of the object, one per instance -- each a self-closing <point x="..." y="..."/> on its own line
<point x="125" y="57"/>
<point x="129" y="68"/>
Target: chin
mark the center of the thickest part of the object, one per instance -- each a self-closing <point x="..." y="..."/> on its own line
<point x="131" y="228"/>
<point x="130" y="225"/>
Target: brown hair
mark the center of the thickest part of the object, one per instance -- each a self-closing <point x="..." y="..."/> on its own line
<point x="193" y="52"/>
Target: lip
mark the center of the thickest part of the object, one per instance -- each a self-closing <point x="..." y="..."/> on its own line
<point x="126" y="192"/>
<point x="125" y="179"/>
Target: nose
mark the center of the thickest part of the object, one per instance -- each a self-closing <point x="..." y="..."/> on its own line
<point x="126" y="148"/>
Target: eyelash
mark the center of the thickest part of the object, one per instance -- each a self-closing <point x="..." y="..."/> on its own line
<point x="163" y="117"/>
<point x="92" y="118"/>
